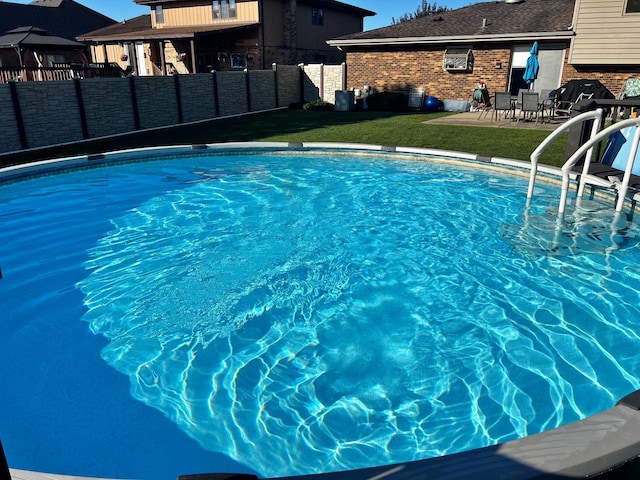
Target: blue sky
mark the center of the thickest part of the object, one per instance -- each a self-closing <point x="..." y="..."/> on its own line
<point x="123" y="9"/>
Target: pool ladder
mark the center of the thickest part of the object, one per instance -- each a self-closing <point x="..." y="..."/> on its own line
<point x="620" y="220"/>
<point x="586" y="150"/>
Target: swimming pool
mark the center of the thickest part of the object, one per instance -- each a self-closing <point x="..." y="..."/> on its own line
<point x="296" y="312"/>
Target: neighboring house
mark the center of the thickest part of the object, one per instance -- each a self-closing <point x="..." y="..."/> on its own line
<point x="449" y="53"/>
<point x="60" y="18"/>
<point x="42" y="34"/>
<point x="193" y="36"/>
<point x="34" y="48"/>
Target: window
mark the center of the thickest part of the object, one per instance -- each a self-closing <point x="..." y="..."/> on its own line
<point x="460" y="59"/>
<point x="54" y="60"/>
<point x="224" y="9"/>
<point x="159" y="14"/>
<point x="633" y="6"/>
<point x="238" y="61"/>
<point x="317" y="16"/>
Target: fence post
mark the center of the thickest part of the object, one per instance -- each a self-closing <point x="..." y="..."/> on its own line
<point x="322" y="81"/>
<point x="176" y="82"/>
<point x="274" y="66"/>
<point x="134" y="102"/>
<point x="18" y="114"/>
<point x="248" y="85"/>
<point x="216" y="100"/>
<point x="83" y="113"/>
<point x="301" y="80"/>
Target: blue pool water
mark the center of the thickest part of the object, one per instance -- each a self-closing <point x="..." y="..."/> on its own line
<point x="298" y="314"/>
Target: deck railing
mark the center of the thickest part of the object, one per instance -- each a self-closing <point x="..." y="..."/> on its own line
<point x="60" y="72"/>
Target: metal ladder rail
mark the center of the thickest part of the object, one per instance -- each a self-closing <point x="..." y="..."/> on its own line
<point x="595" y="115"/>
<point x="587" y="148"/>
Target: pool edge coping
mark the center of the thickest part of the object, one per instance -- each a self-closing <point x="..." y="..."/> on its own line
<point x="586" y="448"/>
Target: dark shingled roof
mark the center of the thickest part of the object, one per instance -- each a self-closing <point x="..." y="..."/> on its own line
<point x="62" y="18"/>
<point x="139" y="28"/>
<point x="35" y="37"/>
<point x="333" y="4"/>
<point x="528" y="16"/>
<point x="316" y="3"/>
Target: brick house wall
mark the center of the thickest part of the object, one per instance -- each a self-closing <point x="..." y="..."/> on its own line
<point x="402" y="70"/>
<point x="422" y="68"/>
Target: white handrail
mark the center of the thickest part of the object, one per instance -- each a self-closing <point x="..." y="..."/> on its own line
<point x="588" y="146"/>
<point x="595" y="115"/>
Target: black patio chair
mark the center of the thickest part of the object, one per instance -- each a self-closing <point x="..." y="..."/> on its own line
<point x="563" y="108"/>
<point x="530" y="106"/>
<point x="504" y="103"/>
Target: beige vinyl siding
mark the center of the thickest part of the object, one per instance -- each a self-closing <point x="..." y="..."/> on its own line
<point x="605" y="34"/>
<point x="114" y="55"/>
<point x="202" y="14"/>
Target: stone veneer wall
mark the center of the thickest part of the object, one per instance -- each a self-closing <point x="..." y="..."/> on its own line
<point x="68" y="111"/>
<point x="321" y="81"/>
<point x="232" y="93"/>
<point x="9" y="136"/>
<point x="47" y="118"/>
<point x="107" y="106"/>
<point x="289" y="83"/>
<point x="198" y="97"/>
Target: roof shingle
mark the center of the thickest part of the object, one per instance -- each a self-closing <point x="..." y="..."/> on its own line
<point x="528" y="16"/>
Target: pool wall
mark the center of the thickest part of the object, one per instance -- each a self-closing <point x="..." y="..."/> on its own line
<point x="605" y="445"/>
<point x="140" y="154"/>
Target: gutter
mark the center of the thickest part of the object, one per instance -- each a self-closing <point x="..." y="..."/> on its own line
<point x="501" y="37"/>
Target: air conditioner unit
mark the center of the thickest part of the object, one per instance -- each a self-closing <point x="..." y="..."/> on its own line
<point x="458" y="59"/>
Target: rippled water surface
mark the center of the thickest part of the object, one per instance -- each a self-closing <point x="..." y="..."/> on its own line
<point x="300" y="314"/>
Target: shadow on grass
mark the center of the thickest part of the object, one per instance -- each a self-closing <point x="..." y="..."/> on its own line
<point x="245" y="128"/>
<point x="379" y="128"/>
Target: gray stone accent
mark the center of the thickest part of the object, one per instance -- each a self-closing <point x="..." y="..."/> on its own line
<point x="198" y="102"/>
<point x="10" y="137"/>
<point x="107" y="106"/>
<point x="263" y="90"/>
<point x="232" y="93"/>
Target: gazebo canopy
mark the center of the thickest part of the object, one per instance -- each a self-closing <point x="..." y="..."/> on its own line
<point x="33" y="37"/>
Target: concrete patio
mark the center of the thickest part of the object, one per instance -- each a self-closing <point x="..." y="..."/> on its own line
<point x="486" y="120"/>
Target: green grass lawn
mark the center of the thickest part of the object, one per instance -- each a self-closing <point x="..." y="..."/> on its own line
<point x="377" y="128"/>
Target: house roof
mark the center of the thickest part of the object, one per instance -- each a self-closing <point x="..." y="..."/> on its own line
<point x="139" y="28"/>
<point x="332" y="4"/>
<point x="35" y="37"/>
<point x="62" y="18"/>
<point x="487" y="21"/>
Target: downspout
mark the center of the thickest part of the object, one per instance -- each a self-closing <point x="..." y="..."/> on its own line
<point x="193" y="55"/>
<point x="573" y="27"/>
<point x="133" y="55"/>
<point x="163" y="58"/>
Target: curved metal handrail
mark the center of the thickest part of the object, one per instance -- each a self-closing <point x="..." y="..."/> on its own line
<point x="588" y="147"/>
<point x="595" y="115"/>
